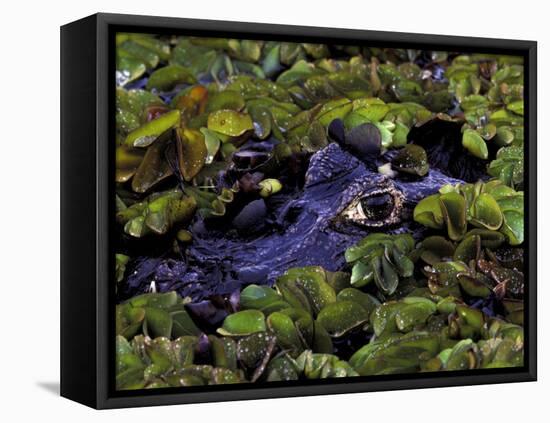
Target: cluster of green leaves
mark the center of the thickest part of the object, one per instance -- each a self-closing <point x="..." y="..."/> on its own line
<point x="383" y="259"/>
<point x="154" y="315"/>
<point x="294" y="91"/>
<point x="493" y="206"/>
<point x="203" y="98"/>
<point x="289" y="332"/>
<point x="157" y="363"/>
<point x="499" y="345"/>
<point x="489" y="90"/>
<point x="157" y="213"/>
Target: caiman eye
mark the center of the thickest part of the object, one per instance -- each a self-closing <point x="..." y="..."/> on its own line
<point x="376" y="208"/>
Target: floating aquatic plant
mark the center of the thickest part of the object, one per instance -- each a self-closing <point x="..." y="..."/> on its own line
<point x="157" y="214"/>
<point x="409" y="335"/>
<point x="492" y="205"/>
<point x="381" y="258"/>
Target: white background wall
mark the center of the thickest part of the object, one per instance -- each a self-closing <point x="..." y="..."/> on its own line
<point x="29" y="209"/>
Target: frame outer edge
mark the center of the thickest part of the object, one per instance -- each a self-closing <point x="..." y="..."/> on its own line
<point x="403" y="38"/>
<point x="103" y="261"/>
<point x="78" y="210"/>
<point x="532" y="211"/>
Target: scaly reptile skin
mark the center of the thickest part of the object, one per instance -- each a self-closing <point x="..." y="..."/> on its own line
<point x="310" y="230"/>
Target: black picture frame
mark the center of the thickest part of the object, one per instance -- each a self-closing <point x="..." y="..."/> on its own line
<point x="87" y="210"/>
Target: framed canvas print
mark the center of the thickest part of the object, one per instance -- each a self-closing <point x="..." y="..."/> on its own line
<point x="253" y="211"/>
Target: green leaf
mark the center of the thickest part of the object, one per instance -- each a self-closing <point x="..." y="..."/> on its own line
<point x="261" y="298"/>
<point x="340" y="317"/>
<point x="230" y="122"/>
<point x="167" y="77"/>
<point x="183" y="325"/>
<point x="361" y="274"/>
<point x="285" y="331"/>
<point x="486" y="212"/>
<point x="158" y="322"/>
<point x="428" y="212"/>
<point x="243" y="323"/>
<point x="192" y="152"/>
<point x="453" y="207"/>
<point x="472" y="141"/>
<point x="146" y="134"/>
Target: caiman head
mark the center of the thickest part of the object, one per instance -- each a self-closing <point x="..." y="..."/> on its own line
<point x="342" y="201"/>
